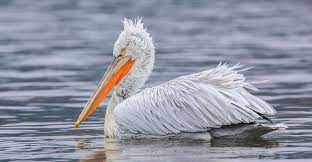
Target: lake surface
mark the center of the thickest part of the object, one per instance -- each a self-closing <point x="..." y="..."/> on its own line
<point x="53" y="54"/>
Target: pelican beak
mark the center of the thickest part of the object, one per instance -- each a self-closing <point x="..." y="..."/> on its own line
<point x="118" y="69"/>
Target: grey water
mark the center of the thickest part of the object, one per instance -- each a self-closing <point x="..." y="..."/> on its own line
<point x="54" y="52"/>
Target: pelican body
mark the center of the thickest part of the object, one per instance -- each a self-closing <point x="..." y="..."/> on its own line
<point x="196" y="105"/>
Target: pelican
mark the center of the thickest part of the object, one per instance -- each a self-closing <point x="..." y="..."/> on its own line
<point x="195" y="105"/>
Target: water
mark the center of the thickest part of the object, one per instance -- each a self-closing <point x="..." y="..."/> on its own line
<point x="53" y="53"/>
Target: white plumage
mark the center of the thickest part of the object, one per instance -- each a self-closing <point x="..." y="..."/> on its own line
<point x="193" y="104"/>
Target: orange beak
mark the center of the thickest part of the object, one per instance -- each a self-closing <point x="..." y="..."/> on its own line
<point x="118" y="69"/>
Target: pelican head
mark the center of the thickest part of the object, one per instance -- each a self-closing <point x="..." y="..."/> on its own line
<point x="133" y="63"/>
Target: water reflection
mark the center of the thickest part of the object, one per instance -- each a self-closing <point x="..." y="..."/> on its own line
<point x="53" y="53"/>
<point x="82" y="144"/>
<point x="97" y="156"/>
<point x="254" y="142"/>
<point x="143" y="148"/>
<point x="100" y="154"/>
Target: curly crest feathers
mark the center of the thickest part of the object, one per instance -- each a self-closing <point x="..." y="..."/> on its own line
<point x="129" y="24"/>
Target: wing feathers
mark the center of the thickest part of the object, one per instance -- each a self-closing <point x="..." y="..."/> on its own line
<point x="193" y="103"/>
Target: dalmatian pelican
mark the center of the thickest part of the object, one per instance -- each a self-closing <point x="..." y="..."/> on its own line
<point x="196" y="105"/>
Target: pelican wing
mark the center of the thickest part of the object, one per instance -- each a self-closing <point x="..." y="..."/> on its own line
<point x="192" y="103"/>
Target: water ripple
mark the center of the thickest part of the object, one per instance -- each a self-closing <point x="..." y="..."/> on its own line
<point x="53" y="53"/>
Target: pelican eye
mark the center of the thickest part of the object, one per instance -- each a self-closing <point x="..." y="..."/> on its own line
<point x="122" y="51"/>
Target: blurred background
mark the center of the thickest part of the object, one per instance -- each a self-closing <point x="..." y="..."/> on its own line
<point x="54" y="52"/>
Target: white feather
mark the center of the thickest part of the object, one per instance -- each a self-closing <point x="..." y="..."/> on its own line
<point x="192" y="103"/>
<point x="188" y="104"/>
